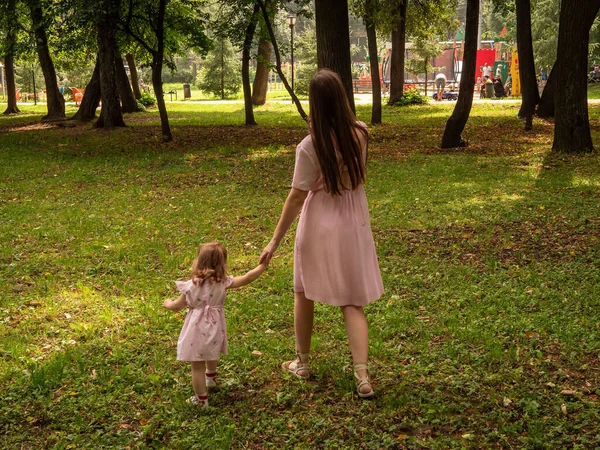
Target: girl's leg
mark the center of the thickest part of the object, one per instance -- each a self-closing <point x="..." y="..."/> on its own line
<point x="198" y="381"/>
<point x="358" y="337"/>
<point x="304" y="311"/>
<point x="211" y="373"/>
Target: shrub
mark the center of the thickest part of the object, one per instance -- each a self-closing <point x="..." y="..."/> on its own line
<point x="411" y="97"/>
<point x="147" y="100"/>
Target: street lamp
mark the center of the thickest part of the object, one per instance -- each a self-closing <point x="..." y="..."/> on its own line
<point x="292" y="22"/>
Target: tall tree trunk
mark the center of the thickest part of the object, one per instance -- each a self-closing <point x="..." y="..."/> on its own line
<point x="55" y="101"/>
<point x="135" y="80"/>
<point x="370" y="11"/>
<point x="110" y="115"/>
<point x="91" y="97"/>
<point x="545" y="108"/>
<point x="263" y="60"/>
<point x="246" y="65"/>
<point x="457" y="121"/>
<point x="261" y="78"/>
<point x="128" y="102"/>
<point x="529" y="88"/>
<point x="157" y="63"/>
<point x="267" y="22"/>
<point x="571" y="121"/>
<point x="397" y="59"/>
<point x="333" y="41"/>
<point x="9" y="58"/>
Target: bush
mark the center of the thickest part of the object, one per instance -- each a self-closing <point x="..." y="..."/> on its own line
<point x="147" y="100"/>
<point x="411" y="97"/>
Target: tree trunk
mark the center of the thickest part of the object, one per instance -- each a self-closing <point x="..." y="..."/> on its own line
<point x="246" y="66"/>
<point x="333" y="41"/>
<point x="135" y="81"/>
<point x="55" y="102"/>
<point x="110" y="115"/>
<point x="91" y="97"/>
<point x="128" y="102"/>
<point x="157" y="63"/>
<point x="261" y="79"/>
<point x="263" y="61"/>
<point x="529" y="88"/>
<point x="267" y="22"/>
<point x="9" y="58"/>
<point x="571" y="121"/>
<point x="397" y="59"/>
<point x="370" y="12"/>
<point x="545" y="108"/>
<point x="457" y="121"/>
<point x="222" y="68"/>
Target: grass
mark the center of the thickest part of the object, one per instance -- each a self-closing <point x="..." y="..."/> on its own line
<point x="487" y="335"/>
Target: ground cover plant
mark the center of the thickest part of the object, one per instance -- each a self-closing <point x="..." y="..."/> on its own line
<point x="487" y="335"/>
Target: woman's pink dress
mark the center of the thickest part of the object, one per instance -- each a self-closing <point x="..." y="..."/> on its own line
<point x="334" y="256"/>
<point x="204" y="333"/>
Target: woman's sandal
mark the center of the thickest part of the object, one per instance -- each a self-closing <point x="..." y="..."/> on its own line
<point x="362" y="381"/>
<point x="298" y="367"/>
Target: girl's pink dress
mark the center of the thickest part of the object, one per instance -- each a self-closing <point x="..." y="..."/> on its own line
<point x="334" y="256"/>
<point x="204" y="334"/>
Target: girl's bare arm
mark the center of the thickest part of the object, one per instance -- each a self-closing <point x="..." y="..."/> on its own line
<point x="248" y="277"/>
<point x="175" y="305"/>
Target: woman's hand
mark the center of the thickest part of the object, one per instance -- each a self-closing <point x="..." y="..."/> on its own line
<point x="267" y="253"/>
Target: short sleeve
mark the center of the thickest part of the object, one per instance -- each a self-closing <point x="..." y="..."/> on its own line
<point x="185" y="288"/>
<point x="228" y="280"/>
<point x="306" y="170"/>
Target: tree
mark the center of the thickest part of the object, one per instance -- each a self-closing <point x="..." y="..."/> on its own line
<point x="545" y="108"/>
<point x="398" y="53"/>
<point x="128" y="101"/>
<point x="250" y="29"/>
<point x="457" y="121"/>
<point x="572" y="126"/>
<point x="54" y="99"/>
<point x="333" y="41"/>
<point x="220" y="75"/>
<point x="263" y="61"/>
<point x="527" y="73"/>
<point x="425" y="49"/>
<point x="369" y="19"/>
<point x="91" y="97"/>
<point x="135" y="81"/>
<point x="110" y="114"/>
<point x="8" y="11"/>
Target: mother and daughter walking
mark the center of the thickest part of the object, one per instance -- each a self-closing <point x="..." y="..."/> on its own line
<point x="334" y="254"/>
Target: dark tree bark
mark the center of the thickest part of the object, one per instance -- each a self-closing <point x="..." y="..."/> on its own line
<point x="457" y="121"/>
<point x="267" y="22"/>
<point x="263" y="61"/>
<point x="110" y="115"/>
<point x="9" y="58"/>
<point x="250" y="29"/>
<point x="55" y="101"/>
<point x="571" y="121"/>
<point x="333" y="41"/>
<point x="157" y="64"/>
<point x="128" y="102"/>
<point x="135" y="80"/>
<point x="261" y="79"/>
<point x="397" y="59"/>
<point x="91" y="97"/>
<point x="370" y="11"/>
<point x="529" y="88"/>
<point x="545" y="108"/>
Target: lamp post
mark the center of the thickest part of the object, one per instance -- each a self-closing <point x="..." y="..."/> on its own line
<point x="292" y="22"/>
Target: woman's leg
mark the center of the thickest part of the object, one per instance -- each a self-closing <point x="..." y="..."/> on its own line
<point x="304" y="312"/>
<point x="358" y="337"/>
<point x="198" y="381"/>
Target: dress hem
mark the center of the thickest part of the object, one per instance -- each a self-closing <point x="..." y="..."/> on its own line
<point x="329" y="301"/>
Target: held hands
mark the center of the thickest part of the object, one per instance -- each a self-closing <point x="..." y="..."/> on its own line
<point x="267" y="253"/>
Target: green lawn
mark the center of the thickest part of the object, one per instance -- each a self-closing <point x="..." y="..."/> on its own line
<point x="488" y="335"/>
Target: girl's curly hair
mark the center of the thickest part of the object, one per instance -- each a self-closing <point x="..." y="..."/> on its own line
<point x="211" y="263"/>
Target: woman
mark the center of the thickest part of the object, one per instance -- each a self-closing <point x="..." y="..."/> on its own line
<point x="334" y="256"/>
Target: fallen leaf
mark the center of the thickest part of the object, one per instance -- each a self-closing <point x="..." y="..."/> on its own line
<point x="563" y="408"/>
<point x="257" y="353"/>
<point x="67" y="315"/>
<point x="568" y="392"/>
<point x="143" y="422"/>
<point x="506" y="401"/>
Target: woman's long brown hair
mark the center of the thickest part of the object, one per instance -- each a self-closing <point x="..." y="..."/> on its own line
<point x="334" y="132"/>
<point x="211" y="263"/>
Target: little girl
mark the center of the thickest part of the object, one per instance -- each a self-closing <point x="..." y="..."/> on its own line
<point x="203" y="336"/>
